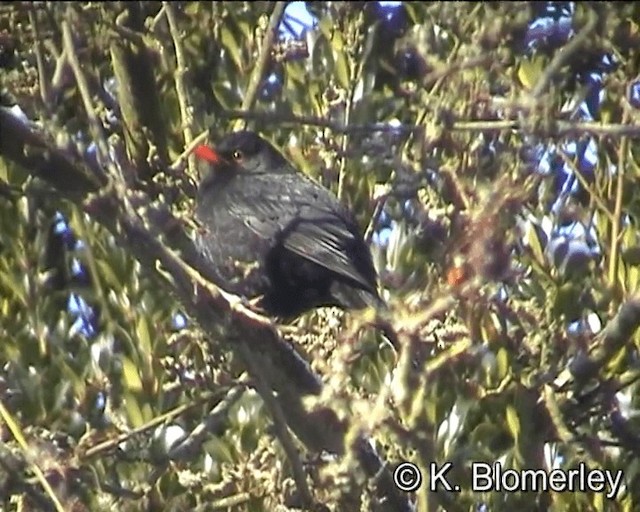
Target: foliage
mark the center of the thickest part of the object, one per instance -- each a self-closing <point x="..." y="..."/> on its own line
<point x="434" y="124"/>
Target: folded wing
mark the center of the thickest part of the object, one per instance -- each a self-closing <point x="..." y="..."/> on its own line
<point x="307" y="223"/>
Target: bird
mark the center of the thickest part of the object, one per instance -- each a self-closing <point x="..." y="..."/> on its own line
<point x="275" y="236"/>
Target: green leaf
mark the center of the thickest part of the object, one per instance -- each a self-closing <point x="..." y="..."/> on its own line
<point x="225" y="95"/>
<point x="131" y="375"/>
<point x="343" y="74"/>
<point x="9" y="281"/>
<point x="513" y="422"/>
<point x="142" y="332"/>
<point x="231" y="44"/>
<point x="326" y="28"/>
<point x="530" y="70"/>
<point x="533" y="239"/>
<point x="109" y="277"/>
<point x="133" y="410"/>
<point x="502" y="363"/>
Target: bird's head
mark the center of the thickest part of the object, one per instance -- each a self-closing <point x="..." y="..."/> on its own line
<point x="242" y="152"/>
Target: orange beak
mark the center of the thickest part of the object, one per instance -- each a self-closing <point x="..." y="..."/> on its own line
<point x="208" y="154"/>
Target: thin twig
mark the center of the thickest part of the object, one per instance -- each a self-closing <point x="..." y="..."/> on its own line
<point x="156" y="20"/>
<point x="438" y="305"/>
<point x="316" y="121"/>
<point x="617" y="211"/>
<point x="181" y="90"/>
<point x="348" y="106"/>
<point x="15" y="430"/>
<point x="43" y="82"/>
<point x="592" y="128"/>
<point x="587" y="186"/>
<point x="83" y="87"/>
<point x="58" y="77"/>
<point x="110" y="444"/>
<point x="485" y="126"/>
<point x="563" y="55"/>
<point x="192" y="443"/>
<point x="177" y="164"/>
<point x="377" y="212"/>
<point x="557" y="129"/>
<point x="140" y="40"/>
<point x="343" y="146"/>
<point x="473" y="62"/>
<point x="265" y="54"/>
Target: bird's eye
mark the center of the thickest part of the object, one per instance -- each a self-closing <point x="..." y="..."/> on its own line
<point x="237" y="155"/>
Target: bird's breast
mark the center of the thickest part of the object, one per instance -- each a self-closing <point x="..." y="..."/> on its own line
<point x="233" y="251"/>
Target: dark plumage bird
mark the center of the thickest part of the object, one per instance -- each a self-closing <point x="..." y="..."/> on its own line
<point x="270" y="232"/>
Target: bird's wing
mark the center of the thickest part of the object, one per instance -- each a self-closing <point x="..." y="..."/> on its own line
<point x="315" y="231"/>
<point x="323" y="237"/>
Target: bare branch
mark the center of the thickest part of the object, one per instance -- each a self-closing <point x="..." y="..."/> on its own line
<point x="16" y="431"/>
<point x="190" y="147"/>
<point x="563" y="55"/>
<point x="181" y="90"/>
<point x="83" y="86"/>
<point x="43" y="82"/>
<point x="556" y="128"/>
<point x="472" y="62"/>
<point x="587" y="186"/>
<point x="265" y="54"/>
<point x="192" y="443"/>
<point x="110" y="444"/>
<point x="616" y="225"/>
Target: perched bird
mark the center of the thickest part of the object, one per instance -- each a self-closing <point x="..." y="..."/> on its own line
<point x="271" y="234"/>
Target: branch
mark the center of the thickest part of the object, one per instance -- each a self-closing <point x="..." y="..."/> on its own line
<point x="177" y="450"/>
<point x="563" y="55"/>
<point x="280" y="424"/>
<point x="586" y="366"/>
<point x="192" y="443"/>
<point x="43" y="82"/>
<point x="317" y="121"/>
<point x="181" y="90"/>
<point x="16" y="431"/>
<point x="555" y="128"/>
<point x="94" y="123"/>
<point x="588" y="187"/>
<point x="616" y="225"/>
<point x="144" y="126"/>
<point x="28" y="149"/>
<point x="486" y="59"/>
<point x="177" y="164"/>
<point x="265" y="54"/>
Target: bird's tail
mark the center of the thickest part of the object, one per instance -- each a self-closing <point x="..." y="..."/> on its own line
<point x="360" y="299"/>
